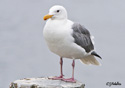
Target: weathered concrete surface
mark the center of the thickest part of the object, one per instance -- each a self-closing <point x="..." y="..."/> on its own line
<point x="44" y="83"/>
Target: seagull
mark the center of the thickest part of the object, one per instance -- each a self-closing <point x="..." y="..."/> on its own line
<point x="68" y="39"/>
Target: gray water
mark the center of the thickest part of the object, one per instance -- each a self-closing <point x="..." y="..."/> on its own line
<point x="24" y="53"/>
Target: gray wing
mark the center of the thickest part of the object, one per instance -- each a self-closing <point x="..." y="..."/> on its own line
<point x="82" y="37"/>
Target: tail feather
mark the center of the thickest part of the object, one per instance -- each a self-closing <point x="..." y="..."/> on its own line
<point x="90" y="60"/>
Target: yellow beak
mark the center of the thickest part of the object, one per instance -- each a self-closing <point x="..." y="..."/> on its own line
<point x="47" y="16"/>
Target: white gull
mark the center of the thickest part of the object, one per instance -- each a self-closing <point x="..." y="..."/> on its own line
<point x="68" y="39"/>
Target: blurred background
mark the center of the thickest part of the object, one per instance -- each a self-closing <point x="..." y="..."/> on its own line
<point x="24" y="53"/>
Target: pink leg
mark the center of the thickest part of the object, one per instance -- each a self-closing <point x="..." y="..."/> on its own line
<point x="71" y="79"/>
<point x="61" y="76"/>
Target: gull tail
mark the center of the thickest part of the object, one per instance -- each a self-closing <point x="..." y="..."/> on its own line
<point x="90" y="60"/>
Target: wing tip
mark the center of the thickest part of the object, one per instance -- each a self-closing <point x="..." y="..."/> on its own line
<point x="95" y="54"/>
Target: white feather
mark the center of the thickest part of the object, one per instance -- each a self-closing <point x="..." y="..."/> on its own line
<point x="92" y="38"/>
<point x="90" y="60"/>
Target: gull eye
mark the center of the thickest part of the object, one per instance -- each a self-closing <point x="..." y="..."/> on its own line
<point x="58" y="11"/>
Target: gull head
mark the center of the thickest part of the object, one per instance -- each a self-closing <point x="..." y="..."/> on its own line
<point x="56" y="12"/>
